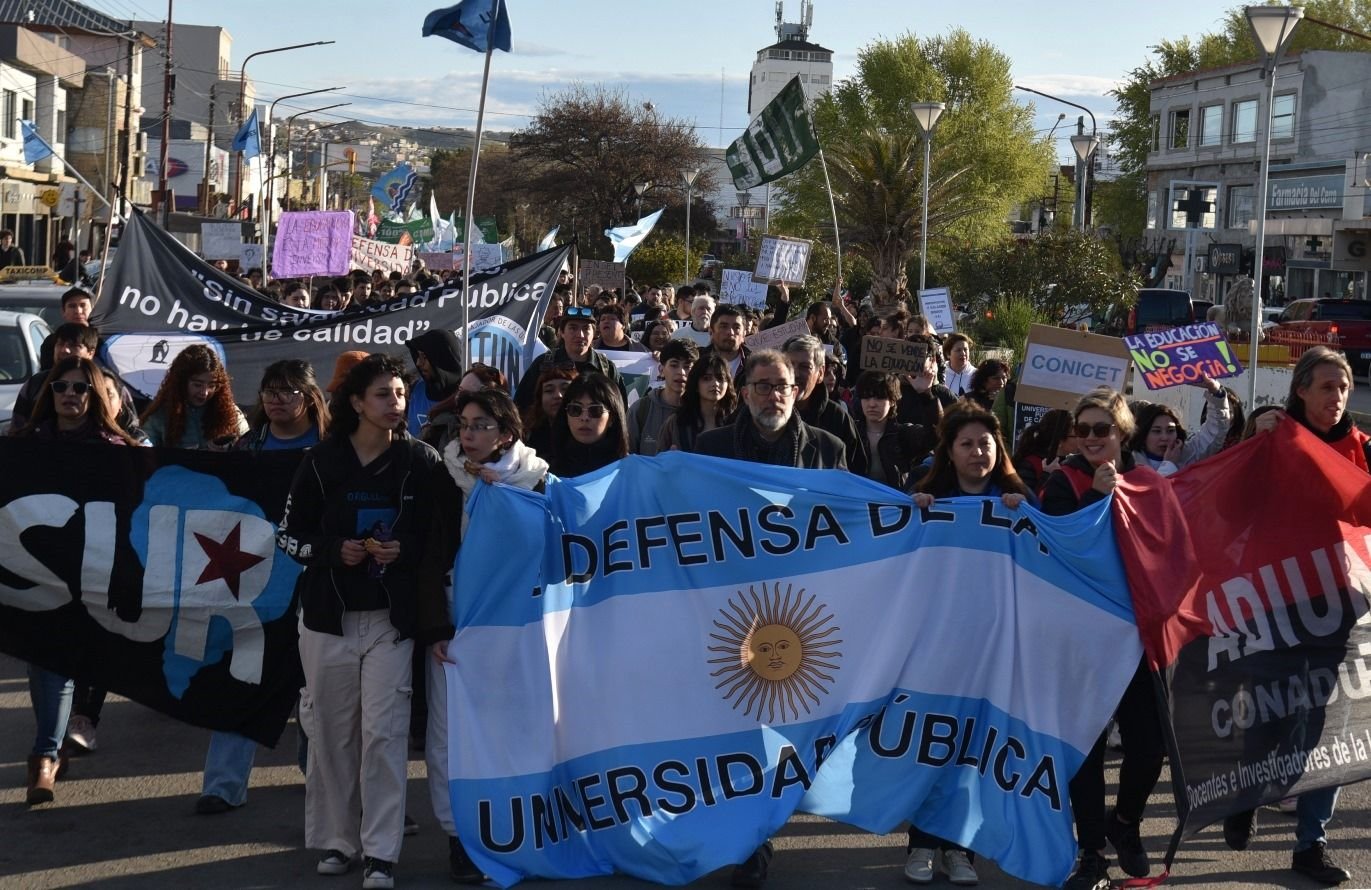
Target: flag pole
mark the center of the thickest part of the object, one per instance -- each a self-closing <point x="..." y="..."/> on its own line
<point x="104" y="257"/>
<point x="837" y="246"/>
<point x="471" y="203"/>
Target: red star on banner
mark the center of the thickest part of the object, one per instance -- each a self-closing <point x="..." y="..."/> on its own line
<point x="227" y="561"/>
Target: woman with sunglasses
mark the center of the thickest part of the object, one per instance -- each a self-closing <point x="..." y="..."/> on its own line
<point x="1102" y="424"/>
<point x="72" y="406"/>
<point x="709" y="401"/>
<point x="590" y="431"/>
<point x="194" y="407"/>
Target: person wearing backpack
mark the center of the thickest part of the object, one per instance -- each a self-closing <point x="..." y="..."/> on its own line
<point x="646" y="418"/>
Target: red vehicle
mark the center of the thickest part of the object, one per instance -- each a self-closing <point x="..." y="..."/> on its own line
<point x="1341" y="324"/>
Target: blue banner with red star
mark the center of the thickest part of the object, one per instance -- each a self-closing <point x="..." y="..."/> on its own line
<point x="153" y="573"/>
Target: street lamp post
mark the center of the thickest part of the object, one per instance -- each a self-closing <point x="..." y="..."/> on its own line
<point x="242" y="102"/>
<point x="1084" y="145"/>
<point x="639" y="188"/>
<point x="290" y="121"/>
<point x="1272" y="28"/>
<point x="689" y="177"/>
<point x="744" y="199"/>
<point x="926" y="114"/>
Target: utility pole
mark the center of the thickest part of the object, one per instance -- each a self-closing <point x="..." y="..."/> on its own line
<point x="205" y="205"/>
<point x="168" y="86"/>
<point x="126" y="142"/>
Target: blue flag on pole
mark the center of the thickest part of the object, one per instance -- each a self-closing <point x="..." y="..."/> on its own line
<point x="692" y="649"/>
<point x="35" y="147"/>
<point x="248" y="139"/>
<point x="627" y="238"/>
<point x="475" y="24"/>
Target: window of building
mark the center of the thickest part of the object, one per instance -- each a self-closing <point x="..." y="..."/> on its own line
<point x="1156" y="132"/>
<point x="1180" y="128"/>
<point x="61" y="133"/>
<point x="1151" y="210"/>
<point x="1211" y="125"/>
<point x="1283" y="117"/>
<point x="1245" y="121"/>
<point x="1240" y="211"/>
<point x="28" y="110"/>
<point x="11" y="112"/>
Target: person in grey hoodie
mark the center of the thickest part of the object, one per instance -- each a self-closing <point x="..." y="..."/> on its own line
<point x="650" y="413"/>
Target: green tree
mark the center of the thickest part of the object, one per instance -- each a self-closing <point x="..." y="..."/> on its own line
<point x="659" y="259"/>
<point x="986" y="157"/>
<point x="1123" y="206"/>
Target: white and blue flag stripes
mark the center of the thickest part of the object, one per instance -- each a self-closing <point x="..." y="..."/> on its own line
<point x="627" y="238"/>
<point x="657" y="663"/>
<point x="35" y="146"/>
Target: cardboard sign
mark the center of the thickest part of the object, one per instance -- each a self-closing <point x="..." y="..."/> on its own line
<point x="893" y="356"/>
<point x="1060" y="366"/>
<point x="737" y="287"/>
<point x="774" y="338"/>
<point x="607" y="275"/>
<point x="936" y="305"/>
<point x="221" y="241"/>
<point x="782" y="259"/>
<point x="369" y="254"/>
<point x="1182" y="355"/>
<point x="1025" y="415"/>
<point x="312" y="242"/>
<point x="437" y="262"/>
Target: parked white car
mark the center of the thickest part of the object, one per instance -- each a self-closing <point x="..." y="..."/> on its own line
<point x="21" y="338"/>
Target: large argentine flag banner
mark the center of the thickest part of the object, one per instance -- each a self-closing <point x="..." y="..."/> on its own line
<point x="657" y="663"/>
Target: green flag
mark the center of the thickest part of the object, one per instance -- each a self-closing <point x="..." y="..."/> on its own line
<point x="780" y="140"/>
<point x="418" y="231"/>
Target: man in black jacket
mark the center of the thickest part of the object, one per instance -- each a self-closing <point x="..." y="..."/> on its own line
<point x="806" y="355"/>
<point x="576" y="331"/>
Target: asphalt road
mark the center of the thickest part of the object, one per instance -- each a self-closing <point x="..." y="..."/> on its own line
<point x="124" y="818"/>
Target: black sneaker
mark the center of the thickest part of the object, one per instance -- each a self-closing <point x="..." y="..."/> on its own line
<point x="1239" y="829"/>
<point x="1092" y="872"/>
<point x="378" y="875"/>
<point x="751" y="872"/>
<point x="211" y="805"/>
<point x="1128" y="845"/>
<point x="1317" y="864"/>
<point x="459" y="864"/>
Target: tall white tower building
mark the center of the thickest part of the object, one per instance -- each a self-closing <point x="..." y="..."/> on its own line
<point x="792" y="54"/>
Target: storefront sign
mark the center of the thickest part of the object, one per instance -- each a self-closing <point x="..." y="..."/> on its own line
<point x="1225" y="259"/>
<point x="1305" y="192"/>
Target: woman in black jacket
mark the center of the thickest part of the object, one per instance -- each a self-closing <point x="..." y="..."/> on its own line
<point x="371" y="517"/>
<point x="890" y="449"/>
<point x="590" y="430"/>
<point x="1103" y="423"/>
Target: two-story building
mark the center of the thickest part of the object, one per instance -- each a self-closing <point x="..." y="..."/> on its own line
<point x="1208" y="134"/>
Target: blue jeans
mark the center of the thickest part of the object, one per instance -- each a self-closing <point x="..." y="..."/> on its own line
<point x="51" y="696"/>
<point x="228" y="763"/>
<point x="1312" y="813"/>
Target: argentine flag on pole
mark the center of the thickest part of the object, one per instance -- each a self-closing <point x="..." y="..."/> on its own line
<point x="691" y="649"/>
<point x="248" y="139"/>
<point x="627" y="238"/>
<point x="550" y="239"/>
<point x="35" y="147"/>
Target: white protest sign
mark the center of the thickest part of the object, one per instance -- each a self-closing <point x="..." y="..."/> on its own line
<point x="936" y="305"/>
<point x="774" y="338"/>
<point x="250" y="256"/>
<point x="738" y="288"/>
<point x="782" y="259"/>
<point x="221" y="241"/>
<point x="369" y="254"/>
<point x="1061" y="365"/>
<point x="483" y="256"/>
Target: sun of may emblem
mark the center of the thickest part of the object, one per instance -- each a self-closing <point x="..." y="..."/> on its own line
<point x="773" y="651"/>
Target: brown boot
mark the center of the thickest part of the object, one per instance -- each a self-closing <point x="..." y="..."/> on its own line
<point x="42" y="779"/>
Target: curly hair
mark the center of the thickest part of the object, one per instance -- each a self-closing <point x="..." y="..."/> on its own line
<point x="98" y="408"/>
<point x="343" y="418"/>
<point x="941" y="480"/>
<point x="220" y="418"/>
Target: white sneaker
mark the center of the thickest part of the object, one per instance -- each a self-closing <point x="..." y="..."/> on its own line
<point x="918" y="868"/>
<point x="81" y="732"/>
<point x="959" y="869"/>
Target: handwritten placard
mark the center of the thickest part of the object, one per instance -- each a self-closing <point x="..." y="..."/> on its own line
<point x="607" y="275"/>
<point x="936" y="305"/>
<point x="221" y="241"/>
<point x="483" y="256"/>
<point x="1182" y="355"/>
<point x="782" y="259"/>
<point x="370" y="254"/>
<point x="893" y="356"/>
<point x="312" y="242"/>
<point x="737" y="287"/>
<point x="774" y="338"/>
<point x="250" y="257"/>
<point x="437" y="262"/>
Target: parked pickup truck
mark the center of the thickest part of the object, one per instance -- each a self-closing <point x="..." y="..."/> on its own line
<point x="1341" y="324"/>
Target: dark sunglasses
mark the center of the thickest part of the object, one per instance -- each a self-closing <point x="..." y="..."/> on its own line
<point x="579" y="312"/>
<point x="576" y="409"/>
<point x="1098" y="430"/>
<point x="79" y="387"/>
